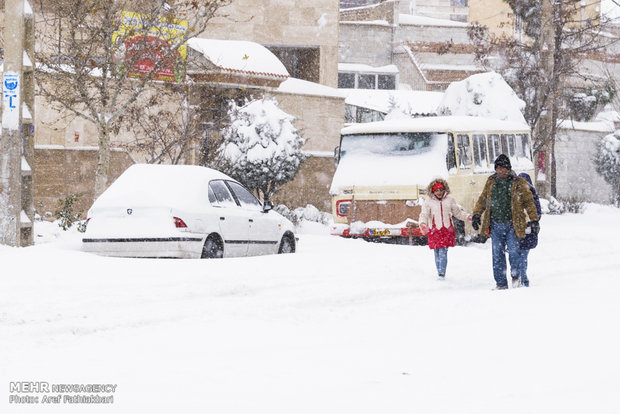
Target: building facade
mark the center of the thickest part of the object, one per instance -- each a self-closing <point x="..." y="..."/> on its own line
<point x="302" y="35"/>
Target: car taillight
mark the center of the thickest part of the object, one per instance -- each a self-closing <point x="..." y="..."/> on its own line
<point x="343" y="207"/>
<point x="178" y="223"/>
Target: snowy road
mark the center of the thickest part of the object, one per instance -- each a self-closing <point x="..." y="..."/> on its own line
<point x="342" y="326"/>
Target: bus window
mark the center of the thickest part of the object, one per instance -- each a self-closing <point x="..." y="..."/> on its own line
<point x="494" y="148"/>
<point x="464" y="151"/>
<point x="504" y="144"/>
<point x="480" y="151"/>
<point x="523" y="146"/>
<point x="451" y="156"/>
<point x="509" y="147"/>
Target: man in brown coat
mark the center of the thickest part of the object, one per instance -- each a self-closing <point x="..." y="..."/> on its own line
<point x="500" y="212"/>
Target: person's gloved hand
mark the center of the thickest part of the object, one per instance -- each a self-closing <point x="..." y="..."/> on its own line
<point x="475" y="221"/>
<point x="535" y="226"/>
<point x="424" y="229"/>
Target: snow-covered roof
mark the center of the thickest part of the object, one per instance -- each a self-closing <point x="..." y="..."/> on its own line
<point x="596" y="126"/>
<point x="414" y="20"/>
<point x="239" y="56"/>
<point x="415" y="102"/>
<point x="304" y="87"/>
<point x="449" y="67"/>
<point x="359" y="67"/>
<point x="436" y="124"/>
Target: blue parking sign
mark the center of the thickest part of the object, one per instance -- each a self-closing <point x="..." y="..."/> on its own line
<point x="11" y="100"/>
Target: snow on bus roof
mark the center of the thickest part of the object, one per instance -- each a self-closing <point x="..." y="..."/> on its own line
<point x="436" y="124"/>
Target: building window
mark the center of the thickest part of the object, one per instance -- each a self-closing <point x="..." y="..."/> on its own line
<point x="458" y="3"/>
<point x="366" y="82"/>
<point x="458" y="18"/>
<point x="386" y="82"/>
<point x="300" y="62"/>
<point x="346" y="80"/>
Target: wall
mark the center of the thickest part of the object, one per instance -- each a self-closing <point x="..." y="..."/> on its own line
<point x="386" y="11"/>
<point x="455" y="33"/>
<point x="284" y="23"/>
<point x="498" y="16"/>
<point x="495" y="14"/>
<point x="576" y="173"/>
<point x="319" y="118"/>
<point x="310" y="186"/>
<point x="61" y="172"/>
<point x="364" y="42"/>
<point x="439" y="9"/>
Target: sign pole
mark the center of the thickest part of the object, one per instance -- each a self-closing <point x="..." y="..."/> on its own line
<point x="11" y="140"/>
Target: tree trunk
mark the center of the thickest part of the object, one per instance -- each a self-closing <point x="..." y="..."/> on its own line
<point x="103" y="160"/>
<point x="545" y="125"/>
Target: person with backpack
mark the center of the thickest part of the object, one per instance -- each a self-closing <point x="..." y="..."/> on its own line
<point x="501" y="213"/>
<point x="436" y="221"/>
<point x="530" y="240"/>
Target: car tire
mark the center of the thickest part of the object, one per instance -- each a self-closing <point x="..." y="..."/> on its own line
<point x="213" y="248"/>
<point x="287" y="244"/>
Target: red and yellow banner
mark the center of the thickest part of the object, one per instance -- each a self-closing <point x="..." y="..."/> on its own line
<point x="143" y="43"/>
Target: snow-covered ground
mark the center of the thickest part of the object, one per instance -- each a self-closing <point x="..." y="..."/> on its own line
<point x="342" y="326"/>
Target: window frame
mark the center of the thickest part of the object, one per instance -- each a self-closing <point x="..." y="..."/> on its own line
<point x="219" y="203"/>
<point x="258" y="206"/>
<point x="479" y="142"/>
<point x="464" y="149"/>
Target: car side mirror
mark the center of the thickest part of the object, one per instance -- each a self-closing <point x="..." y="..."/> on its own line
<point x="337" y="155"/>
<point x="267" y="206"/>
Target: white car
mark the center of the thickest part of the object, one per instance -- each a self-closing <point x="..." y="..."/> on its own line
<point x="183" y="211"/>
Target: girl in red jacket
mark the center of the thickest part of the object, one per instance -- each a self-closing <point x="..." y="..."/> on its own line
<point x="436" y="221"/>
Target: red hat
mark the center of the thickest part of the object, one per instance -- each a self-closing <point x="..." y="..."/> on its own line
<point x="437" y="185"/>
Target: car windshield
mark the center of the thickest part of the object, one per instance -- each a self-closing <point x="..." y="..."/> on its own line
<point x="403" y="143"/>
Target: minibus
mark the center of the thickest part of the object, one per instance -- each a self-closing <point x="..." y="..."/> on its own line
<point x="383" y="169"/>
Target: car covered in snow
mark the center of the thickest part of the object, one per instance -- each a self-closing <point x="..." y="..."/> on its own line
<point x="183" y="211"/>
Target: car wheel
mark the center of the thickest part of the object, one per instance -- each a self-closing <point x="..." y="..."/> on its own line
<point x="287" y="245"/>
<point x="213" y="248"/>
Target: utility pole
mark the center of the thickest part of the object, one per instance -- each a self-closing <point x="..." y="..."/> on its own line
<point x="16" y="140"/>
<point x="545" y="127"/>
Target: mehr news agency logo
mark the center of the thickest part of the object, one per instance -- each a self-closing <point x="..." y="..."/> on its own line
<point x="41" y="392"/>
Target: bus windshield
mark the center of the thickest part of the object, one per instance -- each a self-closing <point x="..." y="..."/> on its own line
<point x="396" y="143"/>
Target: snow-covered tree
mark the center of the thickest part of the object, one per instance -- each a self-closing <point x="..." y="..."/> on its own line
<point x="543" y="66"/>
<point x="607" y="161"/>
<point x="261" y="148"/>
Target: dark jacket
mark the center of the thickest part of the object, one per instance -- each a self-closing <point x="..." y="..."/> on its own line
<point x="521" y="201"/>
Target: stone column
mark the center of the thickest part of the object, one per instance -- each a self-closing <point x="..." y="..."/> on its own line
<point x="11" y="139"/>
